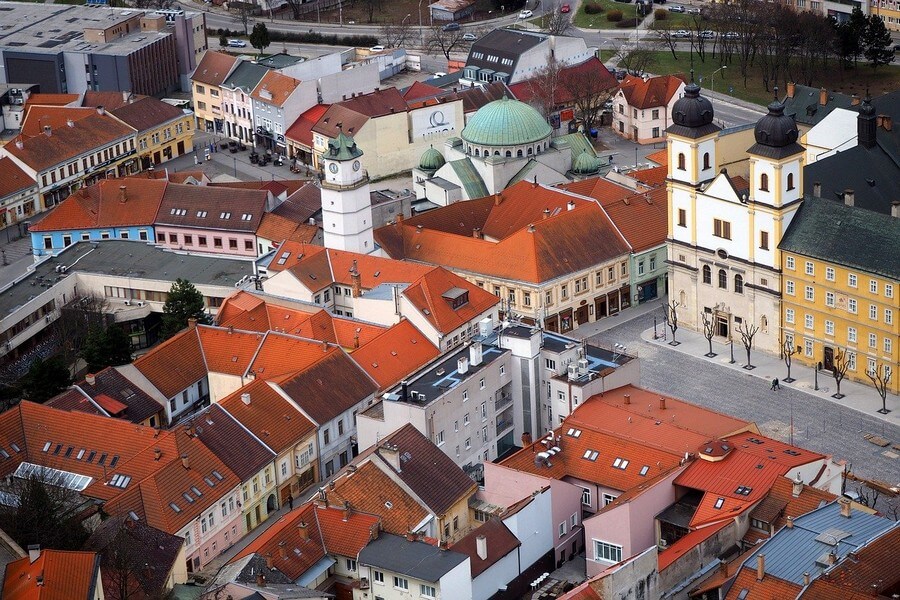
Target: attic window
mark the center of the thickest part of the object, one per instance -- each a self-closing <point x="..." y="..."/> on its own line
<point x="57" y="449"/>
<point x="756" y="441"/>
<point x="456" y="297"/>
<point x="218" y="475"/>
<point x="196" y="491"/>
<point x="620" y="463"/>
<point x="174" y="507"/>
<point x="246" y="217"/>
<point x="187" y="497"/>
<point x="574" y="432"/>
<point x="209" y="482"/>
<point x="792" y="452"/>
<point x="115" y="459"/>
<point x="283" y="258"/>
<point x="644" y="470"/>
<point x="743" y="490"/>
<point x="377" y="273"/>
<point x="102" y="459"/>
<point x="47" y="446"/>
<point x="178" y="212"/>
<point x="91" y="456"/>
<point x="719" y="503"/>
<point x="80" y="454"/>
<point x="4" y="453"/>
<point x="69" y="451"/>
<point x="15" y="447"/>
<point x="201" y="214"/>
<point x="120" y="481"/>
<point x="225" y="215"/>
<point x="389" y="504"/>
<point x="590" y="455"/>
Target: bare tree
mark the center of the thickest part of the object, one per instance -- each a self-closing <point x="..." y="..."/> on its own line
<point x="664" y="31"/>
<point x="556" y="22"/>
<point x="671" y="317"/>
<point x="442" y="41"/>
<point x="371" y="7"/>
<point x="708" y="332"/>
<point x="545" y="86"/>
<point x="788" y="350"/>
<point x="588" y="92"/>
<point x="76" y="320"/>
<point x="244" y="10"/>
<point x="839" y="371"/>
<point x="747" y="331"/>
<point x="396" y="35"/>
<point x="638" y="60"/>
<point x="881" y="377"/>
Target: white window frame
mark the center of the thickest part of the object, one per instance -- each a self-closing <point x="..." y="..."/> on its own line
<point x="789" y="315"/>
<point x="829" y="273"/>
<point x="810" y="269"/>
<point x="613" y="551"/>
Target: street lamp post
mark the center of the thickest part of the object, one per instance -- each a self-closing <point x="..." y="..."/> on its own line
<point x="731" y="343"/>
<point x="712" y="81"/>
<point x="421" y="33"/>
<point x="235" y="166"/>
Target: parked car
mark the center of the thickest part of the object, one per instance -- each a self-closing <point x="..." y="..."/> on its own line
<point x="897" y="48"/>
<point x="469" y="37"/>
<point x="450" y="27"/>
<point x="732" y="35"/>
<point x="707" y="34"/>
<point x="376" y="49"/>
<point x="694" y="10"/>
<point x="525" y="14"/>
<point x="681" y="33"/>
<point x="676" y="8"/>
<point x="565" y="8"/>
<point x="439" y="74"/>
<point x="237" y="44"/>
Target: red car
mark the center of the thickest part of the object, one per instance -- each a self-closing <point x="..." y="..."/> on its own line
<point x="565" y="8"/>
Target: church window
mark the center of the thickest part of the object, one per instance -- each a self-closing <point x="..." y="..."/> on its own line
<point x="681" y="162"/>
<point x="723" y="279"/>
<point x="682" y="217"/>
<point x="707" y="274"/>
<point x="722" y="229"/>
<point x="790" y="181"/>
<point x="477" y="153"/>
<point x="529" y="151"/>
<point x="519" y="153"/>
<point x="706" y="164"/>
<point x="764" y="183"/>
<point x="764" y="240"/>
<point x="738" y="284"/>
<point x="509" y="154"/>
<point x="496" y="153"/>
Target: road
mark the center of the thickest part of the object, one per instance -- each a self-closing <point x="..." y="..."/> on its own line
<point x="819" y="424"/>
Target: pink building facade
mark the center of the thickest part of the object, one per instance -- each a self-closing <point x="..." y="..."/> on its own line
<point x="215" y="530"/>
<point x="213" y="241"/>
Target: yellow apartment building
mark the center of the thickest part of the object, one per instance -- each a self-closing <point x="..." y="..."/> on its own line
<point x="206" y="92"/>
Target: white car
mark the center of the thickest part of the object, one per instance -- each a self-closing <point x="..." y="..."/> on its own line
<point x="676" y="8"/>
<point x="681" y="33"/>
<point x="469" y="37"/>
<point x="731" y="35"/>
<point x="526" y="14"/>
<point x="694" y="10"/>
<point x="708" y="34"/>
<point x="237" y="44"/>
<point x="376" y="49"/>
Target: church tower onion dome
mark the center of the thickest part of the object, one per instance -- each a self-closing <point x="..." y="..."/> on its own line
<point x="692" y="109"/>
<point x="585" y="164"/>
<point x="776" y="129"/>
<point x="506" y="123"/>
<point x="431" y="160"/>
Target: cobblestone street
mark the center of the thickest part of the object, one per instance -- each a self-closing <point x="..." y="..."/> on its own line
<point x="819" y="424"/>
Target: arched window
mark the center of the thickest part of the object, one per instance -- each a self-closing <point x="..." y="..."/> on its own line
<point x="790" y="181"/>
<point x="529" y="151"/>
<point x="509" y="154"/>
<point x="706" y="161"/>
<point x="681" y="298"/>
<point x="723" y="279"/>
<point x="496" y="153"/>
<point x="764" y="182"/>
<point x="519" y="153"/>
<point x="707" y="274"/>
<point x="681" y="161"/>
<point x="764" y="324"/>
<point x="738" y="284"/>
<point x="476" y="152"/>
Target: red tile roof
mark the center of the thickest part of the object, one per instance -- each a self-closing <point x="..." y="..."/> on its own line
<point x="500" y="542"/>
<point x="770" y="588"/>
<point x="810" y="499"/>
<point x="427" y="293"/>
<point x="653" y="176"/>
<point x="228" y="351"/>
<point x="395" y="353"/>
<point x="12" y="178"/>
<point x="174" y="365"/>
<point x="54" y="117"/>
<point x="210" y="207"/>
<point x="598" y="188"/>
<point x="355" y="112"/>
<point x="724" y="477"/>
<point x="106" y="204"/>
<point x="653" y="93"/>
<point x="601" y="79"/>
<point x="642" y="218"/>
<point x="55" y="575"/>
<point x="283" y="544"/>
<point x="686" y="544"/>
<point x="145" y="113"/>
<point x="281" y="354"/>
<point x="279" y="229"/>
<point x="420" y="90"/>
<point x="237" y="448"/>
<point x="301" y="130"/>
<point x="346" y="533"/>
<point x="371" y="490"/>
<point x="872" y="571"/>
<point x="660" y="157"/>
<point x="318" y="270"/>
<point x="773" y="451"/>
<point x="52" y="99"/>
<point x="269" y="416"/>
<point x="275" y="88"/>
<point x="214" y="68"/>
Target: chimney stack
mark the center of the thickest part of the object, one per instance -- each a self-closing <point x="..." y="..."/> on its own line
<point x="817" y="189"/>
<point x="854" y="100"/>
<point x="245" y="398"/>
<point x="303" y="529"/>
<point x="895" y="209"/>
<point x="90" y="379"/>
<point x="570" y="205"/>
<point x="70" y="122"/>
<point x="462" y="365"/>
<point x="790" y="523"/>
<point x="866" y="124"/>
<point x="791" y="87"/>
<point x="476" y="233"/>
<point x="849" y="199"/>
<point x="356" y="280"/>
<point x="526" y="439"/>
<point x="497" y="199"/>
<point x="832" y="558"/>
<point x="391" y="454"/>
<point x="123" y="194"/>
<point x="546" y="213"/>
<point x="531" y="228"/>
<point x="887" y="122"/>
<point x="760" y="566"/>
<point x="805" y="579"/>
<point x="34" y="553"/>
<point x="627" y="398"/>
<point x="481" y="547"/>
<point x="796" y="486"/>
<point x="845" y="507"/>
<point x="410" y="536"/>
<point x="347" y="511"/>
<point x="20" y="144"/>
<point x="47" y="131"/>
<point x="260" y="577"/>
<point x="476" y="354"/>
<point x="192" y="322"/>
<point x="662" y="403"/>
<point x="823" y="96"/>
<point x="101" y="110"/>
<point x="157" y="454"/>
<point x="185" y="462"/>
<point x="324" y="346"/>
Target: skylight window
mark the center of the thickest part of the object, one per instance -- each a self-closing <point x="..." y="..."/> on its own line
<point x="47" y="446"/>
<point x="225" y="215"/>
<point x="719" y="502"/>
<point x="15" y="447"/>
<point x="174" y="507"/>
<point x="754" y="440"/>
<point x="102" y="459"/>
<point x="196" y="491"/>
<point x="743" y="490"/>
<point x="120" y="481"/>
<point x="574" y="432"/>
<point x="209" y="482"/>
<point x="246" y="217"/>
<point x="91" y="456"/>
<point x="201" y="214"/>
<point x="187" y="497"/>
<point x="644" y="470"/>
<point x="57" y="449"/>
<point x="620" y="463"/>
<point x="4" y="453"/>
<point x="283" y="258"/>
<point x="115" y="459"/>
<point x="80" y="454"/>
<point x="69" y="451"/>
<point x="590" y="455"/>
<point x="218" y="475"/>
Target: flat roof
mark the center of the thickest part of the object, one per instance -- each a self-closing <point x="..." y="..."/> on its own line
<point x="52" y="28"/>
<point x="414" y="559"/>
<point x="133" y="259"/>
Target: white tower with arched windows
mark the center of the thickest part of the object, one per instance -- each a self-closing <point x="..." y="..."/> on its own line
<point x="346" y="203"/>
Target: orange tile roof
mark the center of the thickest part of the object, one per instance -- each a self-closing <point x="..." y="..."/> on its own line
<point x="12" y="178"/>
<point x="568" y="242"/>
<point x="686" y="544"/>
<point x="770" y="588"/>
<point x="346" y="534"/>
<point x="281" y="354"/>
<point x="426" y="295"/>
<point x="54" y="117"/>
<point x="582" y="592"/>
<point x="724" y="477"/>
<point x="102" y="205"/>
<point x="500" y="542"/>
<point x="243" y="310"/>
<point x="352" y="334"/>
<point x="355" y="112"/>
<point x="214" y="68"/>
<point x="275" y="88"/>
<point x="642" y="218"/>
<point x="873" y="570"/>
<point x="282" y="543"/>
<point x="63" y="575"/>
<point x="708" y="513"/>
<point x="598" y="188"/>
<point x="395" y="353"/>
<point x="52" y="99"/>
<point x="660" y="157"/>
<point x="655" y="92"/>
<point x="269" y="416"/>
<point x="419" y="90"/>
<point x="301" y="130"/>
<point x="292" y="252"/>
<point x="773" y="451"/>
<point x="318" y="270"/>
<point x="654" y="176"/>
<point x="278" y="229"/>
<point x="810" y="499"/>
<point x="372" y="491"/>
<point x="226" y="350"/>
<point x="174" y="365"/>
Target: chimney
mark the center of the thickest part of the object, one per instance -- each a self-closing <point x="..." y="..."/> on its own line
<point x="848" y="197"/>
<point x="526" y="439"/>
<point x="845" y="507"/>
<point x="125" y="96"/>
<point x="39" y="580"/>
<point x="356" y="341"/>
<point x="303" y="530"/>
<point x="245" y="398"/>
<point x="476" y="233"/>
<point x="832" y="558"/>
<point x="854" y="100"/>
<point x="462" y="365"/>
<point x="895" y="209"/>
<point x="230" y="329"/>
<point x="791" y="87"/>
<point x="261" y="577"/>
<point x="70" y="122"/>
<point x="47" y="131"/>
<point x="90" y="379"/>
<point x="760" y="566"/>
<point x="823" y="96"/>
<point x="157" y="454"/>
<point x="356" y="280"/>
<point x="662" y="403"/>
<point x="347" y="511"/>
<point x="410" y="536"/>
<point x="391" y="455"/>
<point x="627" y="399"/>
<point x="790" y="523"/>
<point x="497" y="199"/>
<point x="817" y="189"/>
<point x="192" y="322"/>
<point x="475" y="354"/>
<point x="866" y="124"/>
<point x="20" y="144"/>
<point x="404" y="391"/>
<point x="570" y="205"/>
<point x="101" y="110"/>
<point x="34" y="553"/>
<point x="148" y="572"/>
<point x="185" y="462"/>
<point x="282" y="552"/>
<point x="481" y="547"/>
<point x="324" y="346"/>
<point x="531" y="228"/>
<point x="546" y="213"/>
<point x="805" y="579"/>
<point x="123" y="194"/>
<point x="887" y="122"/>
<point x="796" y="486"/>
<point x="270" y="563"/>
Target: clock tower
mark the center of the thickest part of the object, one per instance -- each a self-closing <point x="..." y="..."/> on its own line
<point x="346" y="205"/>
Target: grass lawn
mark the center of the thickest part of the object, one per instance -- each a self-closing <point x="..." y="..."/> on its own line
<point x="678" y="20"/>
<point x="729" y="81"/>
<point x="599" y="21"/>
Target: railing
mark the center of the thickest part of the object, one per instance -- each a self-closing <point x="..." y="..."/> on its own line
<point x="503" y="401"/>
<point x="504" y="424"/>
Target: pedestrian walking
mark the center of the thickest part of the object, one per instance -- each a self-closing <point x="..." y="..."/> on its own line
<point x="291" y="502"/>
<point x="775" y="385"/>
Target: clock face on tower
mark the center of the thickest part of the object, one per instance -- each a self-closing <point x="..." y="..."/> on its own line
<point x="333" y="167"/>
<point x="356" y="165"/>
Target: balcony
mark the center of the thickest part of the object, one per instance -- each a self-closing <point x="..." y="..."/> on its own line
<point x="501" y="401"/>
<point x="504" y="422"/>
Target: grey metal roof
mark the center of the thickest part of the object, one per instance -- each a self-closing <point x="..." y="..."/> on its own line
<point x="415" y="559"/>
<point x="503" y="43"/>
<point x="805" y="107"/>
<point x="246" y="76"/>
<point x="846" y="235"/>
<point x="794" y="551"/>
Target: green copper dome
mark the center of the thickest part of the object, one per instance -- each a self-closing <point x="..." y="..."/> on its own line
<point x="431" y="160"/>
<point x="343" y="148"/>
<point x="586" y="164"/>
<point x="506" y="122"/>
